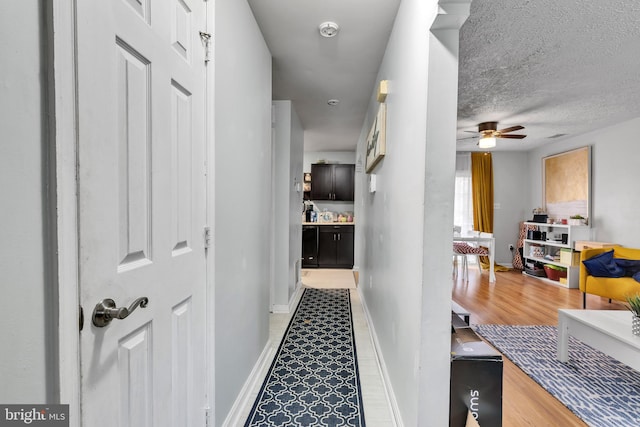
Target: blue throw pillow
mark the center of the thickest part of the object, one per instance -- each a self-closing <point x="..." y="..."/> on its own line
<point x="637" y="276"/>
<point x="603" y="265"/>
<point x="630" y="266"/>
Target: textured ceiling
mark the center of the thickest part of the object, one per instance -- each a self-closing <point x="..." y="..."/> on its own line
<point x="555" y="67"/>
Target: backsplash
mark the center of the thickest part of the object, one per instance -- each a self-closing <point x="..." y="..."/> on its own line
<point x="336" y="208"/>
<point x="333" y="206"/>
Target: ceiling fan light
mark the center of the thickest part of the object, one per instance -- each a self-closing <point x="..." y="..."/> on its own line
<point x="487" y="142"/>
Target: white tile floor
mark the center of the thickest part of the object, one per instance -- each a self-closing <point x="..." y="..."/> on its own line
<point x="377" y="409"/>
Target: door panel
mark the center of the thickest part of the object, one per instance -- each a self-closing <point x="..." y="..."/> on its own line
<point x="344" y="249"/>
<point x="141" y="98"/>
<point x="321" y="182"/>
<point x="181" y="155"/>
<point x="136" y="385"/>
<point x="344" y="176"/>
<point x="134" y="158"/>
<point x="326" y="246"/>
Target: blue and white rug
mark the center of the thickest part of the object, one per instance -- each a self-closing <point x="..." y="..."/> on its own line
<point x="313" y="380"/>
<point x="597" y="388"/>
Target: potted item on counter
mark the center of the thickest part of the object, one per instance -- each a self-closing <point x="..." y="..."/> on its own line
<point x="555" y="272"/>
<point x="634" y="307"/>
<point x="577" y="220"/>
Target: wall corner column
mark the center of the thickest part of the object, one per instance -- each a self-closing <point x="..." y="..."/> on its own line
<point x="442" y="84"/>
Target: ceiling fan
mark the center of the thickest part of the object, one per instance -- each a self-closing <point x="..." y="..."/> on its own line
<point x="489" y="132"/>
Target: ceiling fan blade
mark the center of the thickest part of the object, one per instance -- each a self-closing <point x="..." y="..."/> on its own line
<point x="511" y="136"/>
<point x="511" y="129"/>
<point x="471" y="131"/>
<point x="467" y="138"/>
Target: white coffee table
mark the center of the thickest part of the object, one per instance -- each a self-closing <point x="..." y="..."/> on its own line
<point x="606" y="330"/>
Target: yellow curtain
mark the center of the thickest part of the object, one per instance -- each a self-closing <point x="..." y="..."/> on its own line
<point x="482" y="190"/>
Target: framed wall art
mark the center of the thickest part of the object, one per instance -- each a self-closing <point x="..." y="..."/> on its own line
<point x="567" y="183"/>
<point x="376" y="140"/>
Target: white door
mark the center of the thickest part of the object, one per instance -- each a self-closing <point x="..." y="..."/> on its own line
<point x="141" y="100"/>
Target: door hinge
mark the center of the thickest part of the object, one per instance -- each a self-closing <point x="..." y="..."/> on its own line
<point x="206" y="41"/>
<point x="207" y="415"/>
<point x="207" y="237"/>
<point x="80" y="318"/>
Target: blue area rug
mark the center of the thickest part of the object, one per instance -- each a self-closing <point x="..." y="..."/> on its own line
<point x="313" y="380"/>
<point x="597" y="388"/>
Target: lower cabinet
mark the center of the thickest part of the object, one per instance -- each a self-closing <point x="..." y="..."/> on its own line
<point x="335" y="246"/>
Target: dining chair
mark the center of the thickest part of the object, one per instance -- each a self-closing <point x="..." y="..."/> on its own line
<point x="464" y="250"/>
<point x="456" y="232"/>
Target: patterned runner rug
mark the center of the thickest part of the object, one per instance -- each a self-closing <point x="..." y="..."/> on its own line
<point x="313" y="380"/>
<point x="597" y="388"/>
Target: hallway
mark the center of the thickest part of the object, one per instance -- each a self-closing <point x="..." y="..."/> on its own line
<point x="139" y="133"/>
<point x="377" y="407"/>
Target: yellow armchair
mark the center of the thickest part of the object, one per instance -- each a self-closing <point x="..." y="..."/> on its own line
<point x="617" y="288"/>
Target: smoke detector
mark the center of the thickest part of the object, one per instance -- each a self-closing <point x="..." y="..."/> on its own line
<point x="328" y="29"/>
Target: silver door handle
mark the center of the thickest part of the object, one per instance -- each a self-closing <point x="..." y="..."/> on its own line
<point x="106" y="311"/>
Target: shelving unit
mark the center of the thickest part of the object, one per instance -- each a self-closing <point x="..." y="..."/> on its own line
<point x="553" y="244"/>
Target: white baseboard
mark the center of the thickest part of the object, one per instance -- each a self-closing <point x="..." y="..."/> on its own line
<point x="288" y="308"/>
<point x="280" y="309"/>
<point x="235" y="417"/>
<point x="256" y="377"/>
<point x="386" y="382"/>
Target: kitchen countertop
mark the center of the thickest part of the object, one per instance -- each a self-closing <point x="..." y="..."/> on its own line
<point x="328" y="223"/>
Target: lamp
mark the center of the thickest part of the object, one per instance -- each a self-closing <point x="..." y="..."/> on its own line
<point x="487" y="141"/>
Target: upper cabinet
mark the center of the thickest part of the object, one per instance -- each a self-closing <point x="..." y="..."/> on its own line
<point x="333" y="182"/>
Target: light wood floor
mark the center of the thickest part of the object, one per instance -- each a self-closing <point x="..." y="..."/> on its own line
<point x="518" y="300"/>
<point x="328" y="278"/>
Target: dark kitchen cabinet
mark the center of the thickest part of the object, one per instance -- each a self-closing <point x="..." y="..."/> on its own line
<point x="322" y="182"/>
<point x="335" y="246"/>
<point x="333" y="182"/>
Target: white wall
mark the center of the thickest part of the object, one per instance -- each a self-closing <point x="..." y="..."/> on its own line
<point x="295" y="202"/>
<point x="407" y="292"/>
<point x="511" y="188"/>
<point x="614" y="198"/>
<point x="311" y="157"/>
<point x="288" y="145"/>
<point x="27" y="296"/>
<point x="242" y="197"/>
<point x="442" y="90"/>
<point x="615" y="174"/>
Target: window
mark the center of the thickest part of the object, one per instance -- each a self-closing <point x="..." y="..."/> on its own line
<point x="463" y="203"/>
